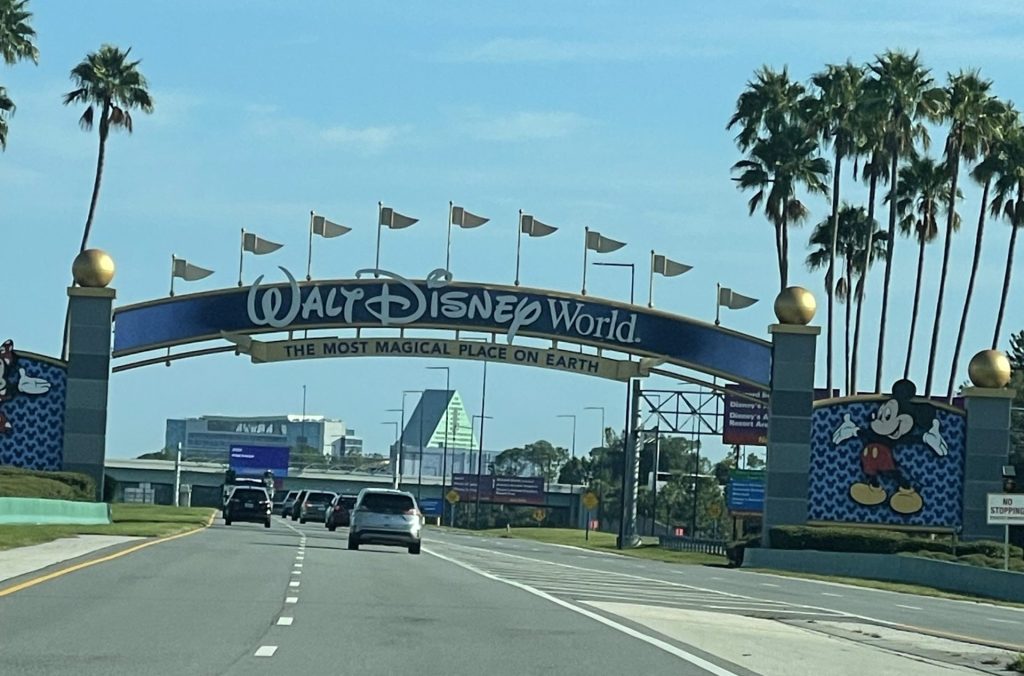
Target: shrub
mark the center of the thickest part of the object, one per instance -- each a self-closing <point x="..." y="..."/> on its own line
<point x="25" y="483"/>
<point x="837" y="539"/>
<point x="987" y="548"/>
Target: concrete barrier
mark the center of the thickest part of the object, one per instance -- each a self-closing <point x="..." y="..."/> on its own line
<point x="954" y="577"/>
<point x="39" y="511"/>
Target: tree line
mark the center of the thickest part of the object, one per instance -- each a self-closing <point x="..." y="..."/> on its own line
<point x="107" y="82"/>
<point x="875" y="119"/>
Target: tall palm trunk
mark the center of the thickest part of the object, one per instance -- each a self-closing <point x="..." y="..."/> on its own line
<point x="917" y="302"/>
<point x="872" y="190"/>
<point x="849" y="307"/>
<point x="970" y="289"/>
<point x="946" y="246"/>
<point x="785" y="246"/>
<point x="894" y="181"/>
<point x="1018" y="210"/>
<point x="778" y="254"/>
<point x="831" y="267"/>
<point x="104" y="129"/>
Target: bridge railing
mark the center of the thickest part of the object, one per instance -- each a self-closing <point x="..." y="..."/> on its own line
<point x="688" y="544"/>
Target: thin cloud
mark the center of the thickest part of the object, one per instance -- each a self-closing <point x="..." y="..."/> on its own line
<point x="543" y="50"/>
<point x="525" y="126"/>
<point x="366" y="139"/>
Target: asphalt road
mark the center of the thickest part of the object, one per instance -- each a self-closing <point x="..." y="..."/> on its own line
<point x="293" y="600"/>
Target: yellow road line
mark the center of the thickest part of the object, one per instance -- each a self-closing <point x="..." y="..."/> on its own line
<point x="92" y="562"/>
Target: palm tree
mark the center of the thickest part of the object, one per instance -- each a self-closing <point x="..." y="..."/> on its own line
<point x="16" y="44"/>
<point x="1009" y="202"/>
<point x="770" y="101"/>
<point x="775" y="168"/>
<point x="107" y="80"/>
<point x="852" y="231"/>
<point x="923" y="190"/>
<point x="6" y="110"/>
<point x="901" y="87"/>
<point x="871" y="143"/>
<point x="971" y="112"/>
<point x="832" y="115"/>
<point x="984" y="171"/>
<point x="16" y="35"/>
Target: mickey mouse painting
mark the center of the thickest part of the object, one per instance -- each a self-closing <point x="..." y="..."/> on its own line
<point x="897" y="423"/>
<point x="24" y="384"/>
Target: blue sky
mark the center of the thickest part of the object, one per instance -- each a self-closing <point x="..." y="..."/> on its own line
<point x="604" y="114"/>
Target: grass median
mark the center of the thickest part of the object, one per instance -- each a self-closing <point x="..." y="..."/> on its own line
<point x="127" y="520"/>
<point x="603" y="542"/>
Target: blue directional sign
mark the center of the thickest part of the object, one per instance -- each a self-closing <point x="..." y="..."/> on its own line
<point x="745" y="492"/>
<point x="431" y="506"/>
<point x="255" y="460"/>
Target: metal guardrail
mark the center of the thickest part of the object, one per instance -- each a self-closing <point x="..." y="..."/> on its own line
<point x="686" y="544"/>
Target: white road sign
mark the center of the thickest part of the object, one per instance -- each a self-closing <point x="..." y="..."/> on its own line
<point x="1005" y="509"/>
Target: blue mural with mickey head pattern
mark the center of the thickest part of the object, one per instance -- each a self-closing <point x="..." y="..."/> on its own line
<point x="32" y="394"/>
<point x="894" y="461"/>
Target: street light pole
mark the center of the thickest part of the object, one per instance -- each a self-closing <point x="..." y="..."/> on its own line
<point x="401" y="439"/>
<point x="444" y="453"/>
<point x="601" y="409"/>
<point x="632" y="276"/>
<point x="573" y="416"/>
<point x="479" y="464"/>
<point x="391" y="422"/>
<point x="419" y="469"/>
<point x="396" y="471"/>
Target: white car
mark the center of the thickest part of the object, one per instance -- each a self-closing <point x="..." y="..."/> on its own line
<point x="385" y="517"/>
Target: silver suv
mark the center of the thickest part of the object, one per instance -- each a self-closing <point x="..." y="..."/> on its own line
<point x="385" y="517"/>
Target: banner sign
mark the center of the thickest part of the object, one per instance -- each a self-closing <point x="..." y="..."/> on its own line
<point x="745" y="492"/>
<point x="559" y="360"/>
<point x="745" y="422"/>
<point x="438" y="303"/>
<point x="431" y="506"/>
<point x="1005" y="509"/>
<point x="520" y="490"/>
<point x="255" y="460"/>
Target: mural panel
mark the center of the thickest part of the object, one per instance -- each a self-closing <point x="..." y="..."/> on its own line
<point x="32" y="391"/>
<point x="895" y="460"/>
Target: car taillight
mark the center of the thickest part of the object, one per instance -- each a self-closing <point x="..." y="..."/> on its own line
<point x="308" y="505"/>
<point x="412" y="512"/>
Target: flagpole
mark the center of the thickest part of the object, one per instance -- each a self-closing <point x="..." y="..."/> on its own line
<point x="718" y="303"/>
<point x="309" y="258"/>
<point x="448" y="248"/>
<point x="172" y="275"/>
<point x="241" y="257"/>
<point x="519" y="243"/>
<point x="586" y="238"/>
<point x="376" y="265"/>
<point x="650" y="284"/>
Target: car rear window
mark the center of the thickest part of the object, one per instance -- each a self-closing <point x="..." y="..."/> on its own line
<point x="348" y="501"/>
<point x="249" y="494"/>
<point x="388" y="503"/>
<point x="320" y="497"/>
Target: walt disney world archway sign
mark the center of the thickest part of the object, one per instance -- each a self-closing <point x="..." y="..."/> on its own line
<point x="629" y="340"/>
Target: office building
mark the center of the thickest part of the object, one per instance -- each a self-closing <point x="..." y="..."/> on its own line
<point x="209" y="437"/>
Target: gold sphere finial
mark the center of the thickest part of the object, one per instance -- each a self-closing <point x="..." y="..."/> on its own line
<point x="989" y="368"/>
<point x="795" y="305"/>
<point x="93" y="268"/>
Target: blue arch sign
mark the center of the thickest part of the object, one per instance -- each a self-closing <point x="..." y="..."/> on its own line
<point x="380" y="299"/>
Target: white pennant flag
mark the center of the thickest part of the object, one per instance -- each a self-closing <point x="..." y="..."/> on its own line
<point x="668" y="267"/>
<point x="257" y="245"/>
<point x="327" y="229"/>
<point x="465" y="219"/>
<point x="600" y="244"/>
<point x="394" y="220"/>
<point x="534" y="228"/>
<point x="734" y="301"/>
<point x="190" y="273"/>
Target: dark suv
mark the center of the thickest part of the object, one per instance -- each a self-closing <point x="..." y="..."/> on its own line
<point x="314" y="505"/>
<point x="294" y="511"/>
<point x="247" y="504"/>
<point x="339" y="512"/>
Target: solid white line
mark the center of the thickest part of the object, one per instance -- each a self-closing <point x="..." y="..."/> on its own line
<point x="265" y="651"/>
<point x="285" y="621"/>
<point x="907" y="607"/>
<point x="293" y="583"/>
<point x="291" y="599"/>
<point x="658" y="643"/>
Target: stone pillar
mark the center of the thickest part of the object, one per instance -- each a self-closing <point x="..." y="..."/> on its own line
<point x="988" y="440"/>
<point x="90" y="308"/>
<point x="789" y="411"/>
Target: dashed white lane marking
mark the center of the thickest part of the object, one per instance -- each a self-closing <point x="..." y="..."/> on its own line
<point x="296" y="572"/>
<point x="285" y="621"/>
<point x="996" y="619"/>
<point x="717" y="578"/>
<point x="298" y="565"/>
<point x="658" y="643"/>
<point x="291" y="599"/>
<point x="838" y="596"/>
<point x="265" y="651"/>
<point x="294" y="583"/>
<point x="898" y="605"/>
<point x="768" y="584"/>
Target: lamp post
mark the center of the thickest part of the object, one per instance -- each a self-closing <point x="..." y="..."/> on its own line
<point x="632" y="275"/>
<point x="573" y="416"/>
<point x="401" y="439"/>
<point x="391" y="422"/>
<point x="601" y="409"/>
<point x="444" y="454"/>
<point x="396" y="472"/>
<point x="479" y="465"/>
